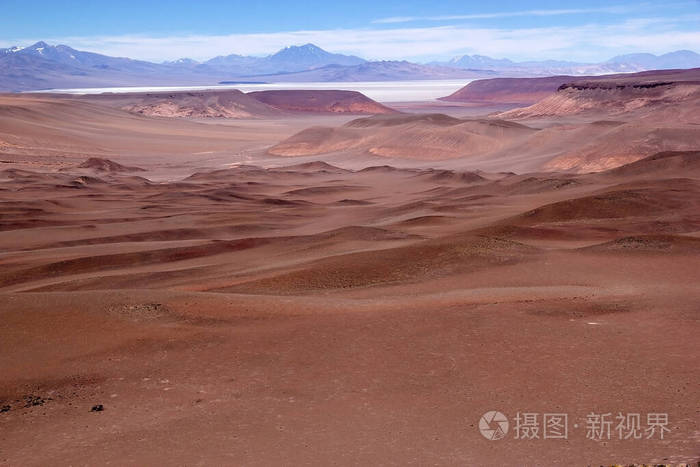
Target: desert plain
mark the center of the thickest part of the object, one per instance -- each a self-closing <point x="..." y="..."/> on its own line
<point x="315" y="278"/>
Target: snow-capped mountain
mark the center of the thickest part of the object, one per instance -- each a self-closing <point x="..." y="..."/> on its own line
<point x="181" y="62"/>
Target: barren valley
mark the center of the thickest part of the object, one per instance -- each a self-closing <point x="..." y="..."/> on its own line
<point x="316" y="278"/>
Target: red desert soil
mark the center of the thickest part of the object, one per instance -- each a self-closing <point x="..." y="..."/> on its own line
<point x="316" y="315"/>
<point x="363" y="303"/>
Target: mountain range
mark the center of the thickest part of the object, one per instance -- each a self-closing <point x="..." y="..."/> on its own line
<point x="630" y="63"/>
<point x="43" y="66"/>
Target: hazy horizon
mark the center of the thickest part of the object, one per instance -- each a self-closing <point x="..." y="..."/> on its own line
<point x="300" y="45"/>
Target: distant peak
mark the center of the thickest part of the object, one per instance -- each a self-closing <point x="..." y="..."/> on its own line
<point x="306" y="50"/>
<point x="183" y="60"/>
<point x="38" y="45"/>
<point x="308" y="46"/>
<point x="682" y="52"/>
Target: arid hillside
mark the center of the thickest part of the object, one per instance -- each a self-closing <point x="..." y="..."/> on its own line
<point x="196" y="104"/>
<point x="331" y="101"/>
<point x="60" y="131"/>
<point x="646" y="95"/>
<point x="585" y="126"/>
<point x="508" y="90"/>
<point x="235" y="104"/>
<point x="421" y="137"/>
<point x="528" y="91"/>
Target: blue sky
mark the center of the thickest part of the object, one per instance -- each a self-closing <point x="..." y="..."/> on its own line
<point x="416" y="30"/>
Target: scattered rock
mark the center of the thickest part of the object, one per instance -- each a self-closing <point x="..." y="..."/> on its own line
<point x="5" y="408"/>
<point x="140" y="311"/>
<point x="33" y="401"/>
<point x="97" y="408"/>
